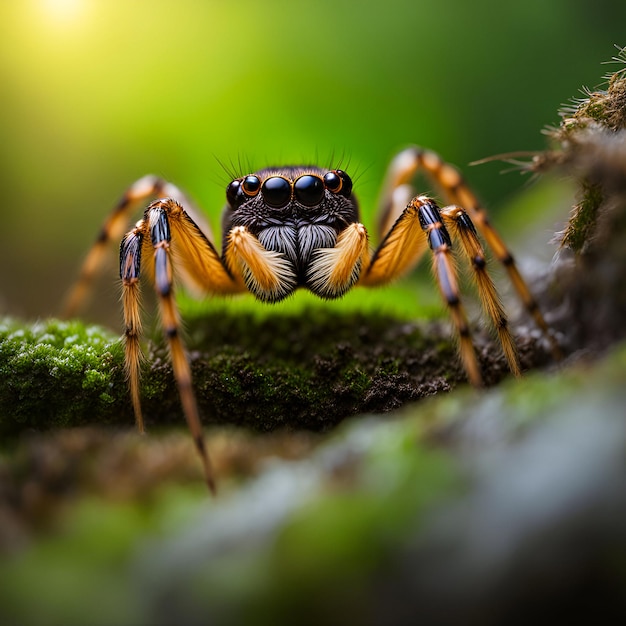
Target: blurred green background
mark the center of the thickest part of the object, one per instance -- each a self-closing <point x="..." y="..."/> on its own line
<point x="96" y="93"/>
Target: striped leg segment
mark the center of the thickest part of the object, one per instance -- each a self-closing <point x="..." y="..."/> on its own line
<point x="443" y="267"/>
<point x="130" y="266"/>
<point x="160" y="237"/>
<point x="419" y="227"/>
<point x="463" y="231"/>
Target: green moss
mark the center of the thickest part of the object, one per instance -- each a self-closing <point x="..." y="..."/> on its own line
<point x="581" y="225"/>
<point x="313" y="368"/>
<point x="586" y="152"/>
<point x="57" y="374"/>
<point x="307" y="369"/>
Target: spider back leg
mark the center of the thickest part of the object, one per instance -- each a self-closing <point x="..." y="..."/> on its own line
<point x="443" y="267"/>
<point x="114" y="227"/>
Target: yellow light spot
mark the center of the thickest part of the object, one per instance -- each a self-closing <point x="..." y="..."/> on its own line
<point x="63" y="11"/>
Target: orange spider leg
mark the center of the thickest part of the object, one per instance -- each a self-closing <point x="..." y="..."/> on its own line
<point x="115" y="226"/>
<point x="399" y="251"/>
<point x="166" y="229"/>
<point x="130" y="263"/>
<point x="403" y="247"/>
<point x="463" y="231"/>
<point x="402" y="171"/>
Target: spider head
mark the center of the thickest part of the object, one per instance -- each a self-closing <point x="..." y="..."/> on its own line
<point x="293" y="208"/>
<point x="278" y="188"/>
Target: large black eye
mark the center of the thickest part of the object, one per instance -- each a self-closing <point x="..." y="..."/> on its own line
<point x="251" y="185"/>
<point x="309" y="190"/>
<point x="276" y="191"/>
<point x="338" y="181"/>
<point x="234" y="194"/>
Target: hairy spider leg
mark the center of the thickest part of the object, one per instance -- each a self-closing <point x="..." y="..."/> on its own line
<point x="401" y="173"/>
<point x="130" y="267"/>
<point x="167" y="231"/>
<point x="404" y="245"/>
<point x="462" y="229"/>
<point x="116" y="224"/>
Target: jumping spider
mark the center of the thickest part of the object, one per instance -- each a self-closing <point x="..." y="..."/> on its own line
<point x="298" y="226"/>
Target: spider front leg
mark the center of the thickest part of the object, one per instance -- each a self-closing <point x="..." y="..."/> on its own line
<point x="421" y="226"/>
<point x="166" y="225"/>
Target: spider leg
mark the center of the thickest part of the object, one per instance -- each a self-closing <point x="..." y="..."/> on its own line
<point x="163" y="275"/>
<point x="462" y="228"/>
<point x="130" y="265"/>
<point x="401" y="172"/>
<point x="114" y="227"/>
<point x="404" y="245"/>
<point x="400" y="249"/>
<point x="166" y="230"/>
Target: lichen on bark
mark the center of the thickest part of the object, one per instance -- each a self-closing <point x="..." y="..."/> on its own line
<point x="589" y="145"/>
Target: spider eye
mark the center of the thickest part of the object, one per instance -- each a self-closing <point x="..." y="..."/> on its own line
<point x="332" y="182"/>
<point x="276" y="191"/>
<point x="234" y="194"/>
<point x="309" y="190"/>
<point x="338" y="181"/>
<point x="251" y="185"/>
